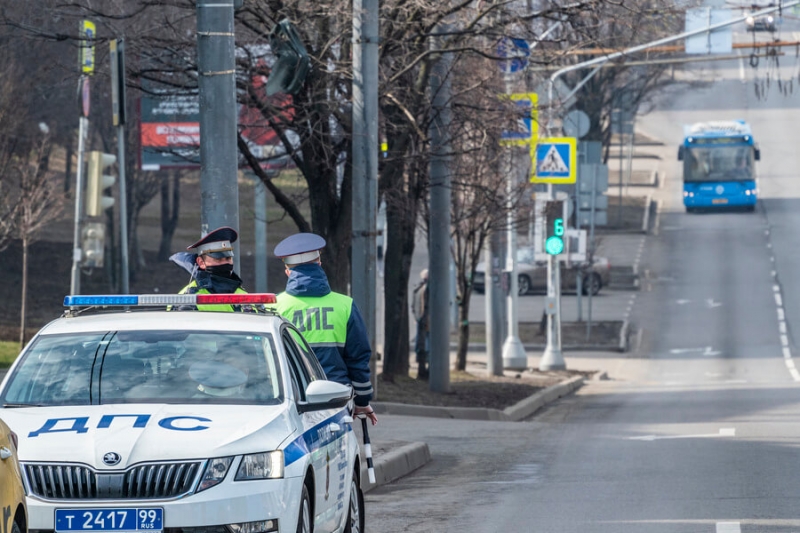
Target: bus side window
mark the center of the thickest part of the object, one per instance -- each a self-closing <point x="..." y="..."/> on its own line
<point x="680" y="153"/>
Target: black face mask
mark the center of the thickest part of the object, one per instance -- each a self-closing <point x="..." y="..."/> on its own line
<point x="224" y="270"/>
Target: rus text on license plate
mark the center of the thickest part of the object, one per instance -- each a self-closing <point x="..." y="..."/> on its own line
<point x="110" y="519"/>
<point x="719" y="201"/>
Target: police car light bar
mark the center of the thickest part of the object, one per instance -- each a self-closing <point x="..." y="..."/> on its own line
<point x="156" y="300"/>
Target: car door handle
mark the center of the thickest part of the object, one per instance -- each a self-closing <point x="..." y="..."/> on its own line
<point x="5" y="453"/>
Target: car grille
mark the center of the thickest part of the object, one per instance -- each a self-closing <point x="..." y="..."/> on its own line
<point x="141" y="482"/>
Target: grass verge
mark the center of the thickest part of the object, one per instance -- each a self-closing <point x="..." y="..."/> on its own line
<point x="9" y="350"/>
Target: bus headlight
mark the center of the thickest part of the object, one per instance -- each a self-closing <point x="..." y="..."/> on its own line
<point x="747" y="192"/>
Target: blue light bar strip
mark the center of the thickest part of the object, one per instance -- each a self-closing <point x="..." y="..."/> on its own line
<point x="101" y="300"/>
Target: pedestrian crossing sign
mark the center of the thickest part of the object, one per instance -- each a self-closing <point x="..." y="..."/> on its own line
<point x="555" y="160"/>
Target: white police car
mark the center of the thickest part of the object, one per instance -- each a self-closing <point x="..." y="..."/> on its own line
<point x="181" y="422"/>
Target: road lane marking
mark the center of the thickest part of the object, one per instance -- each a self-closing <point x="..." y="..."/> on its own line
<point x="781" y="316"/>
<point x="787" y="353"/>
<point x="782" y="326"/>
<point x="784" y="340"/>
<point x="729" y="527"/>
<point x="723" y="432"/>
<point x="778" y="299"/>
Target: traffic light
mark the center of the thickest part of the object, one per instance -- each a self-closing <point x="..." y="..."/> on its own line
<point x="554" y="234"/>
<point x="292" y="62"/>
<point x="93" y="244"/>
<point x="97" y="182"/>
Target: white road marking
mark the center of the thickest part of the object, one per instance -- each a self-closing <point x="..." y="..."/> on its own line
<point x="782" y="326"/>
<point x="784" y="340"/>
<point x="778" y="299"/>
<point x="729" y="527"/>
<point x="682" y="302"/>
<point x="773" y="273"/>
<point x="723" y="432"/>
<point x="710" y="353"/>
<point x="712" y="304"/>
<point x="787" y="353"/>
<point x="776" y="288"/>
<point x="780" y="314"/>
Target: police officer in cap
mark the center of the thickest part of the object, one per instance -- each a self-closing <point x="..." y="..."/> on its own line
<point x="209" y="261"/>
<point x="329" y="321"/>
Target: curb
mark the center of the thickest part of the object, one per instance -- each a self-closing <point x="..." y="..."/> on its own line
<point x="395" y="464"/>
<point x="515" y="413"/>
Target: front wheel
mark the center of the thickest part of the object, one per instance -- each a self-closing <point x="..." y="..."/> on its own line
<point x="304" y="516"/>
<point x="523" y="285"/>
<point x="355" y="515"/>
<point x="15" y="527"/>
<point x="593" y="283"/>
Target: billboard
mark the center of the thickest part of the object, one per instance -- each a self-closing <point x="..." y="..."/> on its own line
<point x="170" y="125"/>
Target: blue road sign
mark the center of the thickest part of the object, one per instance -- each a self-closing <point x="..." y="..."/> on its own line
<point x="516" y="51"/>
<point x="527" y="126"/>
<point x="556" y="160"/>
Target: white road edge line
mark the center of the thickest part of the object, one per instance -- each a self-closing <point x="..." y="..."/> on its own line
<point x="729" y="527"/>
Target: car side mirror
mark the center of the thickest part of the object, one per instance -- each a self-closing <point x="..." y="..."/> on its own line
<point x="680" y="153"/>
<point x="757" y="154"/>
<point x="323" y="394"/>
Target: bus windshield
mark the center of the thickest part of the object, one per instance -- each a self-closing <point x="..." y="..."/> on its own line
<point x="718" y="163"/>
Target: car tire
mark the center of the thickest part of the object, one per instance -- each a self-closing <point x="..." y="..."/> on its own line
<point x="304" y="521"/>
<point x="15" y="527"/>
<point x="523" y="285"/>
<point x="355" y="515"/>
<point x="592" y="282"/>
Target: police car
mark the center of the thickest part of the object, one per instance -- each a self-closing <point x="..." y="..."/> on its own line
<point x="157" y="420"/>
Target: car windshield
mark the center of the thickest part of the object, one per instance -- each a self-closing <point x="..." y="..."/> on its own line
<point x="147" y="367"/>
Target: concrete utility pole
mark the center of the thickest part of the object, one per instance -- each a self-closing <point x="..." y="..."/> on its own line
<point x="363" y="260"/>
<point x="439" y="244"/>
<point x="216" y="68"/>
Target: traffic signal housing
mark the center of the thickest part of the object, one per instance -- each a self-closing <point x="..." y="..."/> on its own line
<point x="97" y="182"/>
<point x="554" y="234"/>
<point x="93" y="242"/>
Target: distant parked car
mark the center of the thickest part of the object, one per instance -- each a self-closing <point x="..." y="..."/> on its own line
<point x="532" y="275"/>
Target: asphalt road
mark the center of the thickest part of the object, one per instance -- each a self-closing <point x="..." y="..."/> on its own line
<point x="702" y="433"/>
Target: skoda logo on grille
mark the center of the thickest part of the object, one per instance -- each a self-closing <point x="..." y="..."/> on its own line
<point x="112" y="458"/>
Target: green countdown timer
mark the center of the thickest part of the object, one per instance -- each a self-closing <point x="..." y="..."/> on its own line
<point x="554" y="244"/>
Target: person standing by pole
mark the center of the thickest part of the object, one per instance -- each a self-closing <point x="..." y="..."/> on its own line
<point x="420" y="308"/>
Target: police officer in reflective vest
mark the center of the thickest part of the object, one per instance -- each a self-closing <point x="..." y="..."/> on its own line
<point x="329" y="321"/>
<point x="210" y="263"/>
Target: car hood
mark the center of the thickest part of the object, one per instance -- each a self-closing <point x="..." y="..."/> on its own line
<point x="146" y="432"/>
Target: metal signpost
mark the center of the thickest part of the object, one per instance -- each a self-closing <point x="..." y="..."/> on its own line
<point x="87" y="33"/>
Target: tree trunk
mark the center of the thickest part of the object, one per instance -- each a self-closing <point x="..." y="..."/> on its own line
<point x="400" y="227"/>
<point x="463" y="331"/>
<point x="68" y="169"/>
<point x="24" y="291"/>
<point x="169" y="213"/>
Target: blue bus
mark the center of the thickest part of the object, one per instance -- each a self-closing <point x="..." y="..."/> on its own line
<point x="719" y="166"/>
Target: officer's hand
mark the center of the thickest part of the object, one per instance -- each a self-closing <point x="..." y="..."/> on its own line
<point x="368" y="412"/>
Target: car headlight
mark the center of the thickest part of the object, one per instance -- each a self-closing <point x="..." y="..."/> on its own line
<point x="750" y="21"/>
<point x="770" y="20"/>
<point x="216" y="469"/>
<point x="266" y="465"/>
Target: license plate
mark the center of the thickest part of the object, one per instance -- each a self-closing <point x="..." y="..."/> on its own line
<point x="110" y="519"/>
<point x="719" y="201"/>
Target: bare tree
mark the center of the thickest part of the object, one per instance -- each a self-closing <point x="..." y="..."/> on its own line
<point x="40" y="199"/>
